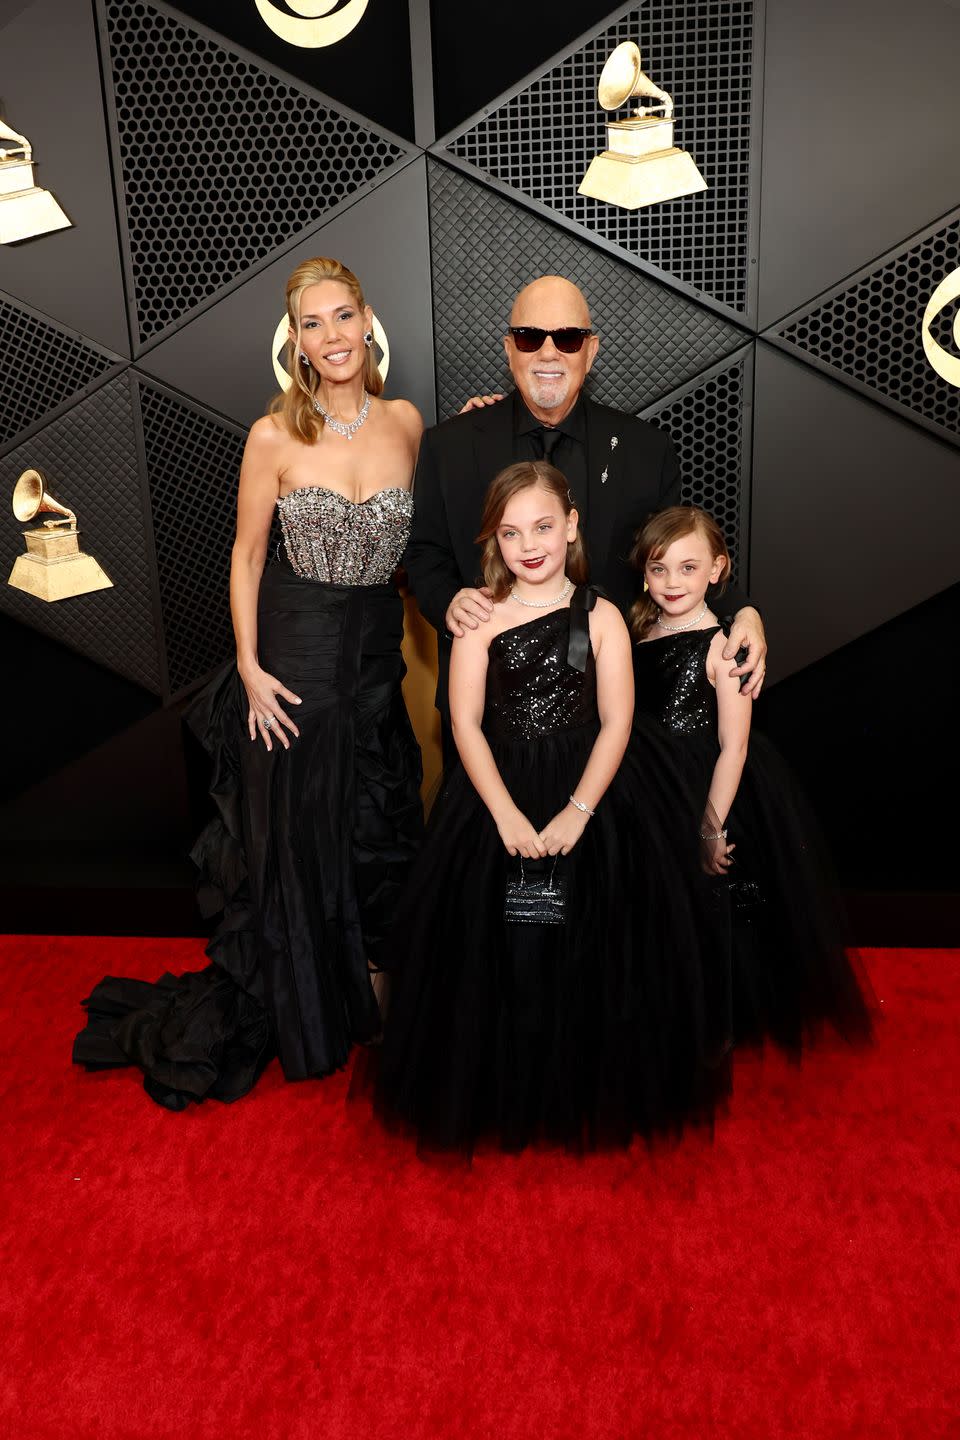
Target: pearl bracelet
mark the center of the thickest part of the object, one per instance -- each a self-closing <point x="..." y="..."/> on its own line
<point x="580" y="806"/>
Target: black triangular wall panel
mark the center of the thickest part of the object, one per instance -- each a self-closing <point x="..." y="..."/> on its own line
<point x="485" y="247"/>
<point x="368" y="70"/>
<point x="89" y="458"/>
<point x="193" y="463"/>
<point x="51" y="90"/>
<point x="854" y="514"/>
<point x="222" y="357"/>
<point x="209" y="188"/>
<point x="845" y="180"/>
<point x="541" y="141"/>
<point x="468" y="76"/>
<point x="44" y="367"/>
<point x="708" y="422"/>
<point x="869" y="331"/>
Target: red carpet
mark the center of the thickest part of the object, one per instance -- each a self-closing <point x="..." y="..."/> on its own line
<point x="282" y="1269"/>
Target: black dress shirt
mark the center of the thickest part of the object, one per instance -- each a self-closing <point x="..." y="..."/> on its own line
<point x="569" y="454"/>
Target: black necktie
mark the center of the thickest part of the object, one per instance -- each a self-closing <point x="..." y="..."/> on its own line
<point x="548" y="441"/>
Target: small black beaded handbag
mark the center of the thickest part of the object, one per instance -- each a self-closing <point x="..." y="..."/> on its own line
<point x="538" y="898"/>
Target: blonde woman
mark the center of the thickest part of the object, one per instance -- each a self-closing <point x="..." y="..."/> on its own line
<point x="317" y="771"/>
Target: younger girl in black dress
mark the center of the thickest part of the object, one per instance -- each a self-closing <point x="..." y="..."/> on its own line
<point x="789" y="969"/>
<point x="522" y="1023"/>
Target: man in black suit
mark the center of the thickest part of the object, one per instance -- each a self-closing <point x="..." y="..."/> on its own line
<point x="620" y="470"/>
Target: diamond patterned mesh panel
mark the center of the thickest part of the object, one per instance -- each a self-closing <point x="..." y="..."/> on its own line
<point x="484" y="248"/>
<point x="44" y="367"/>
<point x="706" y="426"/>
<point x="89" y="457"/>
<point x="221" y="161"/>
<point x="193" y="462"/>
<point x="541" y="142"/>
<point x="871" y="331"/>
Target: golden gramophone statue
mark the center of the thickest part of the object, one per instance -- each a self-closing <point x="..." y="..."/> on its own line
<point x="641" y="165"/>
<point x="25" y="209"/>
<point x="54" y="567"/>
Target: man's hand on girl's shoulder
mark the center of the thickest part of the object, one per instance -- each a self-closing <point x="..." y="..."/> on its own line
<point x="747" y="633"/>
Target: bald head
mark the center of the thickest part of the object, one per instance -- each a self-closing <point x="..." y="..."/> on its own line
<point x="550" y="380"/>
<point x="552" y="296"/>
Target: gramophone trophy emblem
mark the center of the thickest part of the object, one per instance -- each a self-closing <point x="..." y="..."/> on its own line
<point x="641" y="165"/>
<point x="54" y="567"/>
<point x="25" y="209"/>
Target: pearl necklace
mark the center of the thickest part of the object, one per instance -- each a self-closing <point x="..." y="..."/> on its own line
<point x="542" y="604"/>
<point x="341" y="427"/>
<point x="688" y="626"/>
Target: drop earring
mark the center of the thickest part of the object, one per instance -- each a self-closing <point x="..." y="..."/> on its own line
<point x="304" y="361"/>
<point x="368" y="338"/>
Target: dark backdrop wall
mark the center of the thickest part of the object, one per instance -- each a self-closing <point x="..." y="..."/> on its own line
<point x="772" y="324"/>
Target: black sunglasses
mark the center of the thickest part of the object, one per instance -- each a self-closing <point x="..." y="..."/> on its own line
<point x="529" y="338"/>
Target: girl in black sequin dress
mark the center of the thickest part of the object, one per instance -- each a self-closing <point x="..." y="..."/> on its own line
<point x="608" y="1024"/>
<point x="789" y="969"/>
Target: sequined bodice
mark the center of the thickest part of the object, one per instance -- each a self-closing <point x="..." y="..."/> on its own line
<point x="531" y="689"/>
<point x="330" y="538"/>
<point x="672" y="685"/>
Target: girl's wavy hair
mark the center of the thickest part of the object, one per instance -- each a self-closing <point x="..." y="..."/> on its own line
<point x="295" y="406"/>
<point x="653" y="542"/>
<point x="501" y="490"/>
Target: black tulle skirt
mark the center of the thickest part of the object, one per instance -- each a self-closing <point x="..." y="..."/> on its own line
<point x="793" y="968"/>
<point x="613" y="1024"/>
<point x="306" y="859"/>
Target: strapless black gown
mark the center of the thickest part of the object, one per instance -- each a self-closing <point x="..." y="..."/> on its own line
<point x="611" y="1025"/>
<point x="310" y="847"/>
<point x="791" y="971"/>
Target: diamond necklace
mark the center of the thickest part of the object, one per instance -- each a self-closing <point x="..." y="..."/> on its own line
<point x="690" y="623"/>
<point x="542" y="604"/>
<point x="340" y="427"/>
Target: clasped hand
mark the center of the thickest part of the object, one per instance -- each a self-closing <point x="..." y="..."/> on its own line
<point x="265" y="712"/>
<point x="717" y="855"/>
<point x="557" y="837"/>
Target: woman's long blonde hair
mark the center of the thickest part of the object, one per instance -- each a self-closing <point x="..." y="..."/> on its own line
<point x="295" y="406"/>
<point x="501" y="490"/>
<point x="655" y="540"/>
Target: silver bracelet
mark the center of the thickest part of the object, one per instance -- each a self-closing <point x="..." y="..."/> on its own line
<point x="720" y="835"/>
<point x="580" y="806"/>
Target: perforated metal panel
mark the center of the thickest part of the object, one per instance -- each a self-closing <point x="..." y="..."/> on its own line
<point x="542" y="140"/>
<point x="705" y="423"/>
<point x="221" y="161"/>
<point x="42" y="368"/>
<point x="484" y="249"/>
<point x="89" y="457"/>
<point x="193" y="463"/>
<point x="871" y="331"/>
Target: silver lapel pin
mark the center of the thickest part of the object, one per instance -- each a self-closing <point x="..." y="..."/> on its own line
<point x="614" y="441"/>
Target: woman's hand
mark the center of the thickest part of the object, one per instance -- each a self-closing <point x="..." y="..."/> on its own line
<point x="561" y="833"/>
<point x="265" y="713"/>
<point x="520" y="837"/>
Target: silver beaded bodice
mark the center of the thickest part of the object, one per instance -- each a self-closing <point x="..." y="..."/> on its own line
<point x="341" y="542"/>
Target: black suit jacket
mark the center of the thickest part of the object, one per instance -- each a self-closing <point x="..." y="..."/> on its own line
<point x="631" y="472"/>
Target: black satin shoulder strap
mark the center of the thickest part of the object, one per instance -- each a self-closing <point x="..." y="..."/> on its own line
<point x="578" y="646"/>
